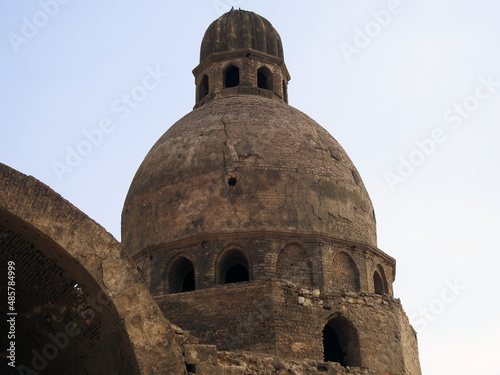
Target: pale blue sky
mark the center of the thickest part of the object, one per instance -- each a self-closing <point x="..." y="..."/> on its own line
<point x="428" y="68"/>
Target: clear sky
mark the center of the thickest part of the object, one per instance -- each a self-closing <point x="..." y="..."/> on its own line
<point x="411" y="90"/>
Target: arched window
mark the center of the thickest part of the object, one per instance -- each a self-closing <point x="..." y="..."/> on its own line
<point x="181" y="276"/>
<point x="264" y="79"/>
<point x="232" y="76"/>
<point x="203" y="89"/>
<point x="295" y="265"/>
<point x="341" y="342"/>
<point x="233" y="267"/>
<point x="379" y="281"/>
<point x="345" y="274"/>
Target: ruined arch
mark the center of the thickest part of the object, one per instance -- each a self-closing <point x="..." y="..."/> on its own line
<point x="232" y="266"/>
<point x="341" y="342"/>
<point x="180" y="275"/>
<point x="97" y="298"/>
<point x="294" y="265"/>
<point x="345" y="273"/>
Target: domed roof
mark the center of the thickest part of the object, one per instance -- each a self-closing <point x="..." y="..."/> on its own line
<point x="244" y="164"/>
<point x="241" y="29"/>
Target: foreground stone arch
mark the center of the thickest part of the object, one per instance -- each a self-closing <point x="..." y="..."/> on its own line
<point x="81" y="301"/>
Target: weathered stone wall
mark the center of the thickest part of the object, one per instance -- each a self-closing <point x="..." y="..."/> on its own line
<point x="232" y="316"/>
<point x="265" y="314"/>
<point x="283" y="309"/>
<point x="378" y="321"/>
<point x="205" y="360"/>
<point x="410" y="346"/>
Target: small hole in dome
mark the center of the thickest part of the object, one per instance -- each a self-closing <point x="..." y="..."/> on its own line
<point x="231" y="181"/>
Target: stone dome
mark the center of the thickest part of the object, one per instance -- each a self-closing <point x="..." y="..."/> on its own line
<point x="239" y="29"/>
<point x="246" y="163"/>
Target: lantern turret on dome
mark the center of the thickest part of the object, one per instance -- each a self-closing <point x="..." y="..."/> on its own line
<point x="241" y="53"/>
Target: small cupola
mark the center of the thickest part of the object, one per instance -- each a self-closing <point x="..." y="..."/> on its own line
<point x="241" y="54"/>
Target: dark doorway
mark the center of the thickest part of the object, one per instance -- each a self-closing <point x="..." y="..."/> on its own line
<point x="332" y="349"/>
<point x="341" y="342"/>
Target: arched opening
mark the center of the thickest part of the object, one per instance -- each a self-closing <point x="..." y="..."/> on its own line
<point x="341" y="342"/>
<point x="233" y="268"/>
<point x="203" y="88"/>
<point x="181" y="276"/>
<point x="379" y="281"/>
<point x="295" y="265"/>
<point x="232" y="76"/>
<point x="345" y="274"/>
<point x="62" y="311"/>
<point x="264" y="79"/>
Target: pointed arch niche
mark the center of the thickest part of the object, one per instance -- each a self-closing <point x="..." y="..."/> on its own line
<point x="295" y="265"/>
<point x="180" y="275"/>
<point x="232" y="267"/>
<point x="345" y="273"/>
